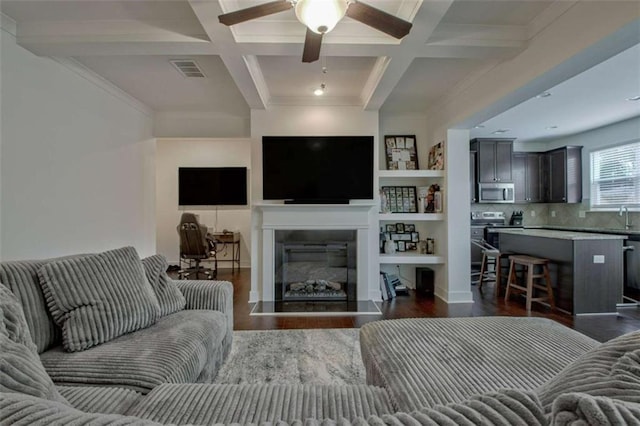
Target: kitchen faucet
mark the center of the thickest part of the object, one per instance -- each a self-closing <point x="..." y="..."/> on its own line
<point x="627" y="224"/>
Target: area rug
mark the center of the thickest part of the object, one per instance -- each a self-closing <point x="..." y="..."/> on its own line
<point x="323" y="356"/>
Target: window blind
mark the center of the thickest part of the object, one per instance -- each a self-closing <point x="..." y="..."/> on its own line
<point x="615" y="176"/>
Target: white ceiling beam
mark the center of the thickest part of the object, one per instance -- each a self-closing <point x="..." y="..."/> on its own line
<point x="424" y="24"/>
<point x="121" y="29"/>
<point x="243" y="68"/>
<point x="64" y="46"/>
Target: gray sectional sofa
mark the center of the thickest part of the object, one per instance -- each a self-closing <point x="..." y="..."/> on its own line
<point x="144" y="370"/>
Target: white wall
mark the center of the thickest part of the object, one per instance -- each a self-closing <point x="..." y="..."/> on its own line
<point x="305" y="121"/>
<point x="76" y="166"/>
<point x="199" y="124"/>
<point x="174" y="153"/>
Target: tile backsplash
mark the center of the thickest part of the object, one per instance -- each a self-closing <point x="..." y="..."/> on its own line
<point x="533" y="214"/>
<point x="569" y="215"/>
<point x="562" y="215"/>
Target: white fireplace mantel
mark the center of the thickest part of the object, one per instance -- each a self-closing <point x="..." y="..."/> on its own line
<point x="357" y="217"/>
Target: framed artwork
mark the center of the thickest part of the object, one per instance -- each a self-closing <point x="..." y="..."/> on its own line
<point x="401" y="199"/>
<point x="410" y="227"/>
<point x="436" y="157"/>
<point x="400" y="228"/>
<point x="401" y="152"/>
<point x="415" y="237"/>
<point x="402" y="246"/>
<point x="411" y="246"/>
<point x="391" y="228"/>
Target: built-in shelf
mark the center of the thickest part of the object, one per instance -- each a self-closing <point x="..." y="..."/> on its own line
<point x="407" y="258"/>
<point x="411" y="173"/>
<point x="395" y="217"/>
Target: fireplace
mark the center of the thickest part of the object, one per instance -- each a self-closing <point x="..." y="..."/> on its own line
<point x="315" y="265"/>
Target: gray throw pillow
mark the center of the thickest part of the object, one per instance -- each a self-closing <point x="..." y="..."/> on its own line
<point x="20" y="368"/>
<point x="99" y="297"/>
<point x="610" y="370"/>
<point x="169" y="295"/>
<point x="582" y="409"/>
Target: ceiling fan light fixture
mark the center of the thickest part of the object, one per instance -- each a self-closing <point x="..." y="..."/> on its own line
<point x="320" y="16"/>
<point x="320" y="90"/>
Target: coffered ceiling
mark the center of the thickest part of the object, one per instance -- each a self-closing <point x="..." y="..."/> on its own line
<point x="130" y="43"/>
<point x="257" y="64"/>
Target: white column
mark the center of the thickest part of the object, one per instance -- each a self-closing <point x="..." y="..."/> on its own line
<point x="458" y="210"/>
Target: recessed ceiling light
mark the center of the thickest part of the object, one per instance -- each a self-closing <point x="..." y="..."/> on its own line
<point x="552" y="127"/>
<point x="544" y="95"/>
<point x="635" y="98"/>
<point x="479" y="126"/>
<point x="500" y="131"/>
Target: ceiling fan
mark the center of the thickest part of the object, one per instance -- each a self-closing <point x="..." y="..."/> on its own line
<point x="320" y="16"/>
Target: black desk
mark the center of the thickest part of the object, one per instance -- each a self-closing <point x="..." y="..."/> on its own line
<point x="222" y="241"/>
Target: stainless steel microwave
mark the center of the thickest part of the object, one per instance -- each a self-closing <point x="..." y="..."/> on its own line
<point x="496" y="193"/>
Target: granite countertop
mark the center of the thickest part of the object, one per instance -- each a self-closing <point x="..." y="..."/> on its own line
<point x="584" y="229"/>
<point x="561" y="235"/>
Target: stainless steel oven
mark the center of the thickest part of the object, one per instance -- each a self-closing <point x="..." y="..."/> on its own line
<point x="496" y="192"/>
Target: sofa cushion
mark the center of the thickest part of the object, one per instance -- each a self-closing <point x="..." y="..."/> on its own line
<point x="583" y="409"/>
<point x="96" y="298"/>
<point x="95" y="399"/>
<point x="610" y="370"/>
<point x="428" y="361"/>
<point x="169" y="296"/>
<point x="24" y="410"/>
<point x="22" y="279"/>
<point x="259" y="403"/>
<point x="20" y="368"/>
<point x="183" y="347"/>
<point x="325" y="405"/>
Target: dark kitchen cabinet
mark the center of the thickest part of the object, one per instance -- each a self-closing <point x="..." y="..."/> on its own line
<point x="493" y="159"/>
<point x="563" y="175"/>
<point x="472" y="177"/>
<point x="527" y="177"/>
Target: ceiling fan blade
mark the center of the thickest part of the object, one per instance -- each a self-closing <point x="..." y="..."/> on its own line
<point x="254" y="12"/>
<point x="381" y="21"/>
<point x="312" y="44"/>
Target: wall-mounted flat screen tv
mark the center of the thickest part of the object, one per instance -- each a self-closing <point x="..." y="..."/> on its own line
<point x="317" y="169"/>
<point x="212" y="186"/>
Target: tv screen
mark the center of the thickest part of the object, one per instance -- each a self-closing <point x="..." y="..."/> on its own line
<point x="212" y="186"/>
<point x="317" y="169"/>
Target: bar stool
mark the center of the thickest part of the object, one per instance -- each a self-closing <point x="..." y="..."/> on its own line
<point x="489" y="257"/>
<point x="502" y="269"/>
<point x="529" y="263"/>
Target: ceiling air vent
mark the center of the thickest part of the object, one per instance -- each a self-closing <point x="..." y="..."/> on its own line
<point x="188" y="68"/>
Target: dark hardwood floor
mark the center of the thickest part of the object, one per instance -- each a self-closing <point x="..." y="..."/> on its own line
<point x="600" y="327"/>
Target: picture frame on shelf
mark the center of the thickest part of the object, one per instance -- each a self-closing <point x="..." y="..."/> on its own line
<point x="401" y="199"/>
<point x="402" y="246"/>
<point x="410" y="227"/>
<point x="391" y="228"/>
<point x="401" y="152"/>
<point x="411" y="246"/>
<point x="436" y="157"/>
<point x="400" y="228"/>
<point x="415" y="237"/>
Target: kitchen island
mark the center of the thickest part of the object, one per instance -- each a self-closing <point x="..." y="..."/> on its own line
<point x="586" y="268"/>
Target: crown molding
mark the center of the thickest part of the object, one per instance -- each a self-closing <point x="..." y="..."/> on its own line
<point x="315" y="101"/>
<point x="99" y="81"/>
<point x="253" y="66"/>
<point x="8" y="24"/>
<point x="548" y="16"/>
<point x="374" y="79"/>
